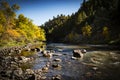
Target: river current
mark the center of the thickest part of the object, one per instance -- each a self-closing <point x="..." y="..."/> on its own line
<point x="77" y="69"/>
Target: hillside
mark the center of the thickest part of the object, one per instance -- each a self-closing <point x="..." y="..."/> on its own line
<point x="96" y="21"/>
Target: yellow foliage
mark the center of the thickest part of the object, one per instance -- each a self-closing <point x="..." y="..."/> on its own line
<point x="105" y="32"/>
<point x="13" y="33"/>
<point x="87" y="30"/>
<point x="2" y="18"/>
<point x="1" y="28"/>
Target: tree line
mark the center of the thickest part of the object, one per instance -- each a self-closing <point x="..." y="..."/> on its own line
<point x="96" y="21"/>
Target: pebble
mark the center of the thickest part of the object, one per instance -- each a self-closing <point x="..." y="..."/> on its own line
<point x="56" y="66"/>
<point x="56" y="77"/>
<point x="95" y="68"/>
<point x="57" y="60"/>
<point x="45" y="69"/>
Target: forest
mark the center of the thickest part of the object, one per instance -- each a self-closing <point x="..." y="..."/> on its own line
<point x="17" y="30"/>
<point x="96" y="22"/>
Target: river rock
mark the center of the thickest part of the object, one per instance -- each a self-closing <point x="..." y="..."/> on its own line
<point x="48" y="64"/>
<point x="18" y="72"/>
<point x="56" y="66"/>
<point x="45" y="69"/>
<point x="29" y="74"/>
<point x="43" y="78"/>
<point x="57" y="60"/>
<point x="23" y="59"/>
<point x="74" y="58"/>
<point x="44" y="52"/>
<point x="38" y="71"/>
<point x="47" y="54"/>
<point x="56" y="77"/>
<point x="36" y="49"/>
<point x="77" y="53"/>
<point x="57" y="54"/>
<point x="29" y="71"/>
<point x="83" y="50"/>
<point x="95" y="68"/>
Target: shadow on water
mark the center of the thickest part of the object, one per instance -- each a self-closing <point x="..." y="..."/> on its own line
<point x="99" y="63"/>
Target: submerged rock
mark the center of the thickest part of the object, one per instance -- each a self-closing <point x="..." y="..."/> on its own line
<point x="74" y="58"/>
<point x="45" y="69"/>
<point x="56" y="77"/>
<point x="57" y="54"/>
<point x="77" y="53"/>
<point x="47" y="55"/>
<point x="56" y="66"/>
<point x="57" y="60"/>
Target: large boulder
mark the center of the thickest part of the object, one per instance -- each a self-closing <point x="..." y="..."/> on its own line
<point x="77" y="54"/>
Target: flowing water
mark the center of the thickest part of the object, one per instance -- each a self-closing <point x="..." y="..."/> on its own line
<point x="79" y="69"/>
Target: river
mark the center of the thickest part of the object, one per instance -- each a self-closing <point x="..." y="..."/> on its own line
<point x="96" y="63"/>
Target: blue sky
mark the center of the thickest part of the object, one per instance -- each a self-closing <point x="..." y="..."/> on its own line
<point x="41" y="11"/>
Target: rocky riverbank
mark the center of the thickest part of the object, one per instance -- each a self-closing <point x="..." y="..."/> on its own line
<point x="58" y="63"/>
<point x="14" y="66"/>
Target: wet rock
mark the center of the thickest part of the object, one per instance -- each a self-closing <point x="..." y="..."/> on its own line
<point x="56" y="66"/>
<point x="48" y="64"/>
<point x="74" y="58"/>
<point x="14" y="66"/>
<point x="77" y="53"/>
<point x="95" y="68"/>
<point x="64" y="54"/>
<point x="83" y="50"/>
<point x="44" y="52"/>
<point x="23" y="59"/>
<point x="57" y="54"/>
<point x="45" y="69"/>
<point x="43" y="78"/>
<point x="38" y="71"/>
<point x="38" y="74"/>
<point x="36" y="49"/>
<point x="29" y="71"/>
<point x="57" y="77"/>
<point x="60" y="50"/>
<point x="57" y="60"/>
<point x="52" y="51"/>
<point x="47" y="55"/>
